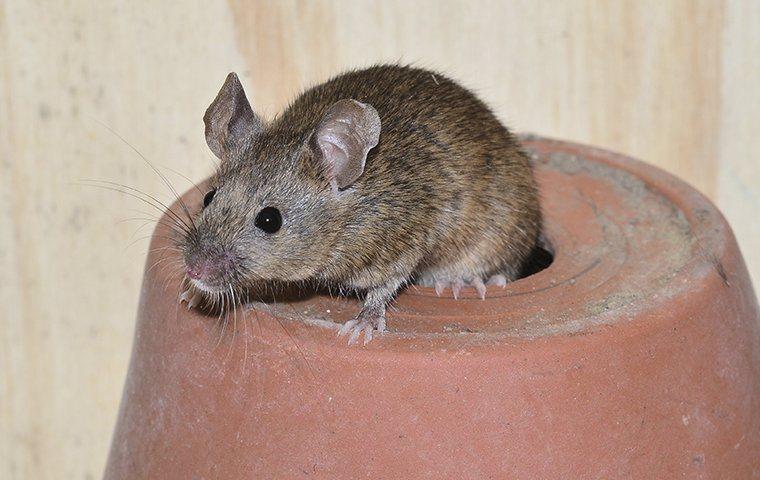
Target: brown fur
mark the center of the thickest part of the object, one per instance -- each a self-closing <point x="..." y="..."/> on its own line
<point x="447" y="193"/>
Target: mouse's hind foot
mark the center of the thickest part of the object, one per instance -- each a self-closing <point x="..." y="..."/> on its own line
<point x="477" y="283"/>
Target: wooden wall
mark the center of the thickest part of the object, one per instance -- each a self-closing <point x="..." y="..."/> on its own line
<point x="672" y="82"/>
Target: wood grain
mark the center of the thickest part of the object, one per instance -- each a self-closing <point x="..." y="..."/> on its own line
<point x="673" y="83"/>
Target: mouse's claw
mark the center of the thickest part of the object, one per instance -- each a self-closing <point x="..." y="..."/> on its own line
<point x="477" y="283"/>
<point x="347" y="327"/>
<point x="456" y="287"/>
<point x="363" y="323"/>
<point x="479" y="287"/>
<point x="367" y="329"/>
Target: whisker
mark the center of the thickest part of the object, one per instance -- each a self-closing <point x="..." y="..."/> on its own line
<point x="234" y="320"/>
<point x="148" y="221"/>
<point x="175" y="226"/>
<point x="160" y="261"/>
<point x="197" y="188"/>
<point x="292" y="339"/>
<point x="148" y="237"/>
<point x="224" y="324"/>
<point x="161" y="175"/>
<point x="168" y="247"/>
<point x="127" y="190"/>
<point x="173" y="278"/>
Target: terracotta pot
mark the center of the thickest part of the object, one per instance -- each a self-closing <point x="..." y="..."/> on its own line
<point x="636" y="354"/>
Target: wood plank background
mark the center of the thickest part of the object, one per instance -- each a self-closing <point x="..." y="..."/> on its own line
<point x="672" y="82"/>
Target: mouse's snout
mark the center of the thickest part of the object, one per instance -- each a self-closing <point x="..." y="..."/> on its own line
<point x="198" y="271"/>
<point x="210" y="272"/>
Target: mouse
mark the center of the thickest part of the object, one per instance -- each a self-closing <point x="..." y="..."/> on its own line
<point x="373" y="180"/>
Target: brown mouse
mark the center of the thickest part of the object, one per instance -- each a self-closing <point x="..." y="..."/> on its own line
<point x="370" y="181"/>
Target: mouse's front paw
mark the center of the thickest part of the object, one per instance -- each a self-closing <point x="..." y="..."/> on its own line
<point x="364" y="322"/>
<point x="192" y="296"/>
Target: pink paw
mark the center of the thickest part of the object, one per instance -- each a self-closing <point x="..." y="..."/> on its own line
<point x="192" y="296"/>
<point x="365" y="323"/>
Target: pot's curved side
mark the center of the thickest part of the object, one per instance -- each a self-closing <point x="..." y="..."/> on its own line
<point x="636" y="354"/>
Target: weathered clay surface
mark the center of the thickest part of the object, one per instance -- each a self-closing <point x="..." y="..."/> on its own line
<point x="636" y="354"/>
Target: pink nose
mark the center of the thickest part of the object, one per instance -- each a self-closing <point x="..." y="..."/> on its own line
<point x="196" y="272"/>
<point x="208" y="268"/>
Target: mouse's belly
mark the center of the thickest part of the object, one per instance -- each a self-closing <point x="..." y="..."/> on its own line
<point x="469" y="268"/>
<point x="488" y="255"/>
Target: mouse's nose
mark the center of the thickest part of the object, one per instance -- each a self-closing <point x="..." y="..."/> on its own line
<point x="199" y="268"/>
<point x="196" y="272"/>
<point x="208" y="269"/>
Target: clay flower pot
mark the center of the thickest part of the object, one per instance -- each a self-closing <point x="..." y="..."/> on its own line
<point x="635" y="354"/>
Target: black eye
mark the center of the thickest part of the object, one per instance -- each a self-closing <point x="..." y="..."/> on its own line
<point x="269" y="220"/>
<point x="209" y="196"/>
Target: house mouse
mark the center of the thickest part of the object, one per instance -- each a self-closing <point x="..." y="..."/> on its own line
<point x="370" y="181"/>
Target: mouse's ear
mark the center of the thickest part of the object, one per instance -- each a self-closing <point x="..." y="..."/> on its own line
<point x="229" y="120"/>
<point x="347" y="132"/>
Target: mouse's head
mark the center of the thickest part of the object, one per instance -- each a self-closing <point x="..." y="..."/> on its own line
<point x="273" y="209"/>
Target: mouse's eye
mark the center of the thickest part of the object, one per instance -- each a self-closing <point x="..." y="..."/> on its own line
<point x="269" y="220"/>
<point x="209" y="196"/>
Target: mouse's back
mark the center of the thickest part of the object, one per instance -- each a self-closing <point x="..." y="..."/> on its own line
<point x="447" y="185"/>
